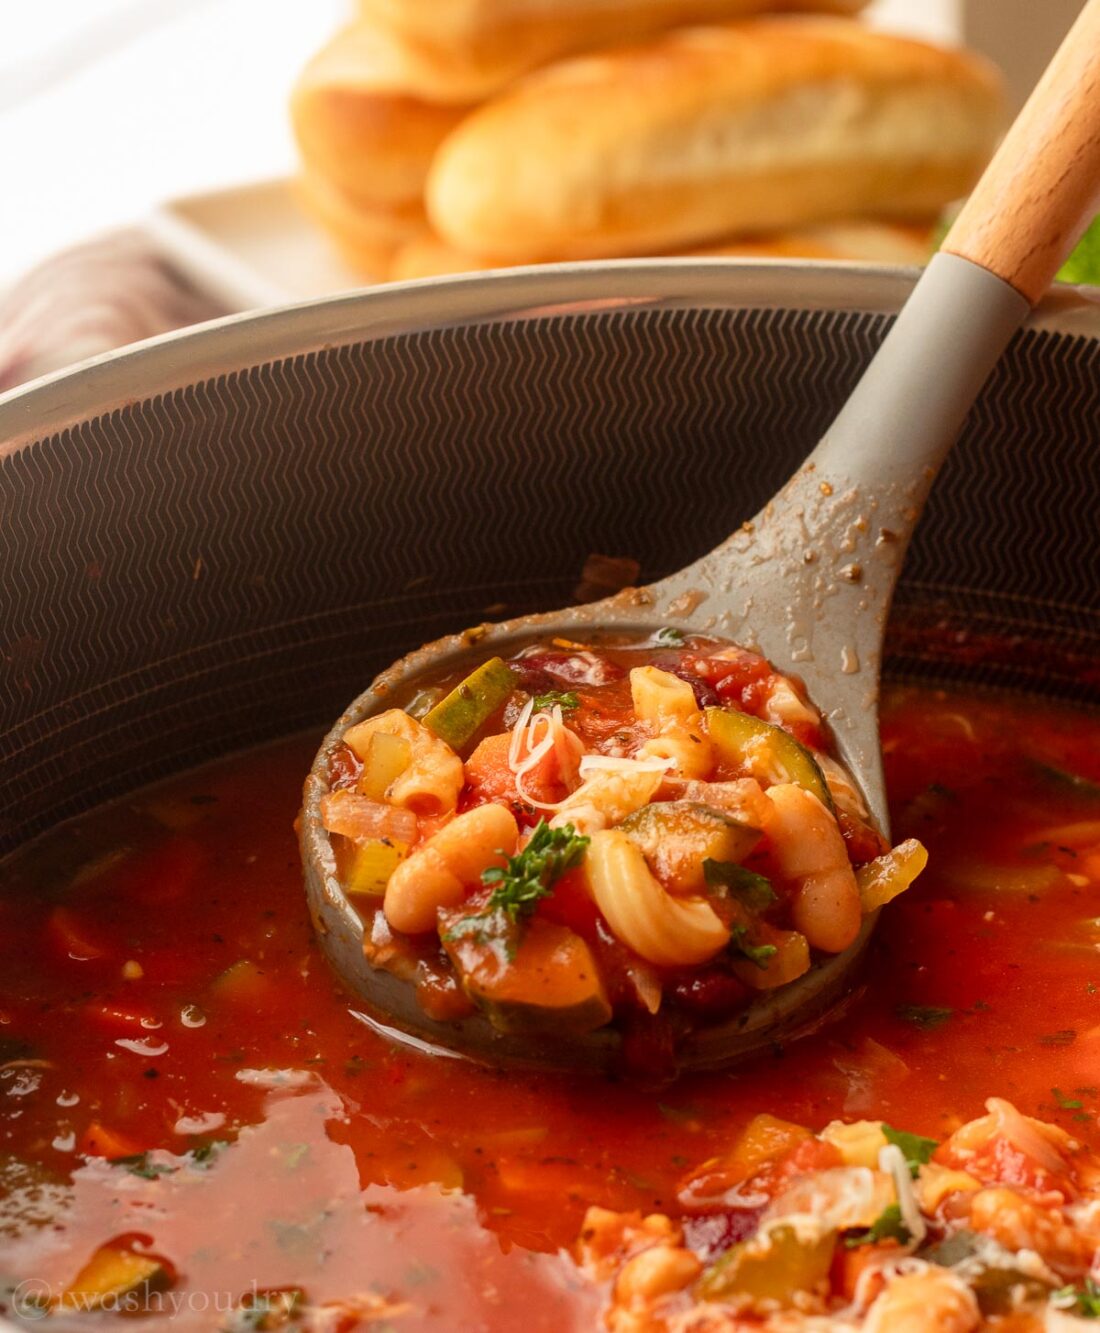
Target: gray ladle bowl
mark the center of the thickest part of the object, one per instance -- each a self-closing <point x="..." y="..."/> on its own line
<point x="810" y="580"/>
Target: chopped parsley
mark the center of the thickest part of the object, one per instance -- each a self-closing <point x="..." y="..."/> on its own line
<point x="531" y="875"/>
<point x="751" y="890"/>
<point x="924" y="1016"/>
<point x="567" y="700"/>
<point x="525" y="881"/>
<point x="142" y="1164"/>
<point x="669" y="637"/>
<point x="206" y="1154"/>
<point x="1083" y="1300"/>
<point x="758" y="954"/>
<point x="1066" y="1103"/>
<point x="887" y="1226"/>
<point x="916" y="1150"/>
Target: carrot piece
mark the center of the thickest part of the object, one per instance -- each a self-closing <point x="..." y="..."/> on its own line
<point x="100" y="1141"/>
<point x="488" y="773"/>
<point x="489" y="776"/>
<point x="850" y="1265"/>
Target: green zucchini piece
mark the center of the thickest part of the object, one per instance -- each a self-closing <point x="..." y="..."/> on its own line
<point x="678" y="837"/>
<point x="755" y="745"/>
<point x="460" y="716"/>
<point x="774" y="1266"/>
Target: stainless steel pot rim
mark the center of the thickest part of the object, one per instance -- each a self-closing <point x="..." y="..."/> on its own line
<point x="175" y="360"/>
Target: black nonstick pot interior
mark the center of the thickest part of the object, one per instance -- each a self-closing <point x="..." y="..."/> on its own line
<point x="220" y="538"/>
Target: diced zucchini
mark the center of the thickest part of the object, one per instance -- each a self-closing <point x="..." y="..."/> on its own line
<point x="881" y="880"/>
<point x="551" y="984"/>
<point x="458" y="718"/>
<point x="762" y="750"/>
<point x="676" y="837"/>
<point x="386" y="759"/>
<point x="790" y="960"/>
<point x="775" y="1265"/>
<point x="111" y="1274"/>
<point x="372" y="864"/>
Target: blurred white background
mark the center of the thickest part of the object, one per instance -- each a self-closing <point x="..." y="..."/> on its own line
<point x="108" y="107"/>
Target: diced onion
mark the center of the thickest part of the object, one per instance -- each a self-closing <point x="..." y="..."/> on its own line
<point x="361" y="819"/>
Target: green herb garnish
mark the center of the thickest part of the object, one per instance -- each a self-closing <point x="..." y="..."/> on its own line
<point x="916" y="1150"/>
<point x="569" y="700"/>
<point x="924" y="1016"/>
<point x="141" y="1164"/>
<point x="1066" y="1103"/>
<point x="531" y="875"/>
<point x="524" y="882"/>
<point x="207" y="1153"/>
<point x="1083" y="1300"/>
<point x="887" y="1226"/>
<point x="669" y="637"/>
<point x="758" y="954"/>
<point x="751" y="890"/>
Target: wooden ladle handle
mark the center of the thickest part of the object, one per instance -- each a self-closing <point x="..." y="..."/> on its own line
<point x="1043" y="187"/>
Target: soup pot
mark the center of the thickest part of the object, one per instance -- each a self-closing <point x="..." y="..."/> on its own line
<point x="220" y="536"/>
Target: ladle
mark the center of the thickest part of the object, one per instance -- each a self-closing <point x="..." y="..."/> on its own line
<point x="809" y="581"/>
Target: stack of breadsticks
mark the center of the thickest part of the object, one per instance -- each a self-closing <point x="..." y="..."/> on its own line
<point x="441" y="136"/>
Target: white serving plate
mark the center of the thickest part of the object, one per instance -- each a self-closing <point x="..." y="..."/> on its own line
<point x="251" y="246"/>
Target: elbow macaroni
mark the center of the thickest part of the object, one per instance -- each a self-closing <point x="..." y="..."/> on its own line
<point x="433" y="778"/>
<point x="671" y="932"/>
<point x="667" y="704"/>
<point x="659" y="697"/>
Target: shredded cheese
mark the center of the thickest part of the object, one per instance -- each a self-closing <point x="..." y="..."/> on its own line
<point x="534" y="736"/>
<point x="891" y="1159"/>
<point x="606" y="763"/>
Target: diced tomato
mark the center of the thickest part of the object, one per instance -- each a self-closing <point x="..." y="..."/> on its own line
<point x="571" y="905"/>
<point x="808" y="734"/>
<point x="739" y="677"/>
<point x="863" y="843"/>
<point x="71" y="937"/>
<point x="163" y="874"/>
<point x="99" y="1141"/>
<point x="344" y="768"/>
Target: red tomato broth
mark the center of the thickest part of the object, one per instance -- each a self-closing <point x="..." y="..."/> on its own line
<point x="433" y="1182"/>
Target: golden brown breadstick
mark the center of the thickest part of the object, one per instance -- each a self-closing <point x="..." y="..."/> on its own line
<point x="368" y="116"/>
<point x="706" y="132"/>
<point x="478" y="47"/>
